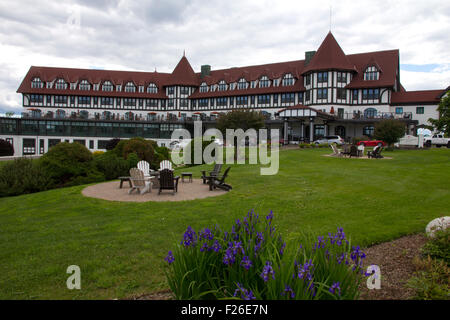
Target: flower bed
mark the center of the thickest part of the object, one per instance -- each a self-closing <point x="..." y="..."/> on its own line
<point x="251" y="261"/>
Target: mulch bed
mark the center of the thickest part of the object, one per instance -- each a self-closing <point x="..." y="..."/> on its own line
<point x="394" y="259"/>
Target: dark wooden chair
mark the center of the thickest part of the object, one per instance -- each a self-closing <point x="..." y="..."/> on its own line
<point x="214" y="173"/>
<point x="167" y="181"/>
<point x="375" y="153"/>
<point x="345" y="150"/>
<point x="353" y="151"/>
<point x="216" y="182"/>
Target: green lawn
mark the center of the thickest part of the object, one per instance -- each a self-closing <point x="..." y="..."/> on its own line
<point x="120" y="246"/>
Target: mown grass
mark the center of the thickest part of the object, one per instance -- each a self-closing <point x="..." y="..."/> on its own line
<point x="120" y="246"/>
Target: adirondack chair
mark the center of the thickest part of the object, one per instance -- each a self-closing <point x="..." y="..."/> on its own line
<point x="375" y="153"/>
<point x="139" y="182"/>
<point x="214" y="173"/>
<point x="336" y="151"/>
<point x="166" y="164"/>
<point x="216" y="182"/>
<point x="353" y="151"/>
<point x="167" y="181"/>
<point x="144" y="166"/>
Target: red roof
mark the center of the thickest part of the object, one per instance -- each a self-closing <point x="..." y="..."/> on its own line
<point x="183" y="74"/>
<point x="329" y="56"/>
<point x="416" y="97"/>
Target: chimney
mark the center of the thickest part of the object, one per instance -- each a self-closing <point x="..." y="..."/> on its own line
<point x="206" y="70"/>
<point x="308" y="56"/>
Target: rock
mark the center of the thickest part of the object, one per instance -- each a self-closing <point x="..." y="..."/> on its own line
<point x="441" y="223"/>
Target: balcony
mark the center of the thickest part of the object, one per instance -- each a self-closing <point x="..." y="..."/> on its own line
<point x="373" y="116"/>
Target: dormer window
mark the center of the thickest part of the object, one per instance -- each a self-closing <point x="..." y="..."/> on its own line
<point x="371" y="73"/>
<point x="60" y="84"/>
<point x="152" y="88"/>
<point x="129" y="87"/>
<point x="276" y="82"/>
<point x="264" y="82"/>
<point x="141" y="89"/>
<point x="107" y="86"/>
<point x="232" y="86"/>
<point x="222" y="85"/>
<point x="37" y="83"/>
<point x="253" y="84"/>
<point x="288" y="80"/>
<point x="242" y="84"/>
<point x="119" y="88"/>
<point x="49" y="85"/>
<point x="84" y="85"/>
<point x="203" y="87"/>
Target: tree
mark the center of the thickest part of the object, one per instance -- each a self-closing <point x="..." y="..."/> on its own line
<point x="443" y="123"/>
<point x="240" y="119"/>
<point x="6" y="148"/>
<point x="389" y="131"/>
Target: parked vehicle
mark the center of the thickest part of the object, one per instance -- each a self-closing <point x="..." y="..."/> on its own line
<point x="330" y="139"/>
<point x="437" y="140"/>
<point x="371" y="143"/>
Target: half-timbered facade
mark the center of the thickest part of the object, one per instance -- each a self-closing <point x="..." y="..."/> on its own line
<point x="346" y="94"/>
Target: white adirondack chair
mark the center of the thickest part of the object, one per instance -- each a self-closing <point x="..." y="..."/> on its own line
<point x="139" y="182"/>
<point x="166" y="164"/>
<point x="336" y="151"/>
<point x="144" y="166"/>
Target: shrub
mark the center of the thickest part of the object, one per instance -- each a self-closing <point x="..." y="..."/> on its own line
<point x="6" y="148"/>
<point x="143" y="148"/>
<point x="431" y="280"/>
<point x="438" y="246"/>
<point x="70" y="164"/>
<point x="97" y="153"/>
<point x="389" y="131"/>
<point x="22" y="176"/>
<point x="111" y="165"/>
<point x="251" y="261"/>
<point x="132" y="160"/>
<point x="303" y="145"/>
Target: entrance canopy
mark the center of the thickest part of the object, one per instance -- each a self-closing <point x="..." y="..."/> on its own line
<point x="300" y="111"/>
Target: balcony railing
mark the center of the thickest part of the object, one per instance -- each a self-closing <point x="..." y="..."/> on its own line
<point x="373" y="116"/>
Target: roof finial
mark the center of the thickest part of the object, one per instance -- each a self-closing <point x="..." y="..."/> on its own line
<point x="184" y="53"/>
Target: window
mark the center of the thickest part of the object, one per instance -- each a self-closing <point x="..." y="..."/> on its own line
<point x="203" y="87"/>
<point x="308" y="80"/>
<point x="61" y="99"/>
<point x="370" y="113"/>
<point x="300" y="97"/>
<point x="264" y="82"/>
<point x="107" y="101"/>
<point x="371" y="73"/>
<point x="37" y="98"/>
<point x="319" y="131"/>
<point x="341" y="93"/>
<point x="84" y="100"/>
<point x="222" y="85"/>
<point x="322" y="93"/>
<point x="84" y="85"/>
<point x="170" y="90"/>
<point x="119" y="88"/>
<point x="242" y="84"/>
<point x="368" y="131"/>
<point x="184" y="90"/>
<point x="141" y="89"/>
<point x="288" y="80"/>
<point x="152" y="88"/>
<point x="29" y="146"/>
<point x="102" y="144"/>
<point x="253" y="84"/>
<point x="130" y="87"/>
<point x="61" y="84"/>
<point x="91" y="144"/>
<point x="371" y="94"/>
<point x="288" y="98"/>
<point x="242" y="100"/>
<point x="263" y="99"/>
<point x="307" y="95"/>
<point x="341" y="77"/>
<point x="399" y="110"/>
<point x="420" y="110"/>
<point x="221" y="101"/>
<point x="322" y="77"/>
<point x="203" y="102"/>
<point x="37" y="83"/>
<point x="129" y="102"/>
<point x="355" y="95"/>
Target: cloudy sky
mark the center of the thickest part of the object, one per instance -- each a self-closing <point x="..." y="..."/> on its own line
<point x="144" y="35"/>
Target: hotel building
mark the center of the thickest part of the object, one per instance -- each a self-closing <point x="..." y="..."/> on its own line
<point x="326" y="93"/>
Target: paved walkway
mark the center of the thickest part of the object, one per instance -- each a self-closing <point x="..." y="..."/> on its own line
<point x="186" y="191"/>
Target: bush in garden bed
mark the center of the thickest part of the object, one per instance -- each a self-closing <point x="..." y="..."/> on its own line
<point x="251" y="261"/>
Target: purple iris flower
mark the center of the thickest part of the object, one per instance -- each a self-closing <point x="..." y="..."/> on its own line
<point x="170" y="258"/>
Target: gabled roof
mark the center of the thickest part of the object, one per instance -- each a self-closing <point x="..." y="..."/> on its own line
<point x="416" y="97"/>
<point x="183" y="74"/>
<point x="329" y="56"/>
<point x="94" y="77"/>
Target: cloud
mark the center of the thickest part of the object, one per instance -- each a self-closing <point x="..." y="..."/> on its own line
<point x="142" y="35"/>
